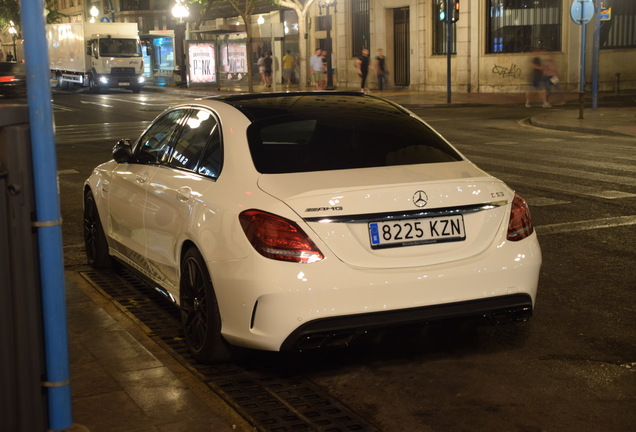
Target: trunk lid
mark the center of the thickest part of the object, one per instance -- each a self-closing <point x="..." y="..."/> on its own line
<point x="458" y="209"/>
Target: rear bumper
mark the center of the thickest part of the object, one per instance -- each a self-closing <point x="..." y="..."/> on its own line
<point x="342" y="331"/>
<point x="272" y="305"/>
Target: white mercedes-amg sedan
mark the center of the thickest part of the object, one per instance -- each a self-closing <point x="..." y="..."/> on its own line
<point x="291" y="221"/>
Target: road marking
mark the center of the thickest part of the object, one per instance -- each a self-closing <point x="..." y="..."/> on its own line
<point x="587" y="225"/>
<point x="547" y="140"/>
<point x="568" y="160"/>
<point x="70" y="134"/>
<point x="498" y="143"/>
<point x="136" y="102"/>
<point x="561" y="187"/>
<point x="539" y="201"/>
<point x="63" y="108"/>
<point x="97" y="103"/>
<point x="560" y="171"/>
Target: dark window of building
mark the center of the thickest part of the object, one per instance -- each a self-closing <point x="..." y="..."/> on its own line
<point x="524" y="25"/>
<point x="360" y="26"/>
<point x="322" y="22"/>
<point x="619" y="31"/>
<point x="439" y="31"/>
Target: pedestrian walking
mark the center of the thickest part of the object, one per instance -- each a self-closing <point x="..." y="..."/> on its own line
<point x="537" y="82"/>
<point x="380" y="69"/>
<point x="288" y="67"/>
<point x="315" y="62"/>
<point x="550" y="76"/>
<point x="261" y="68"/>
<point x="267" y="66"/>
<point x="362" y="65"/>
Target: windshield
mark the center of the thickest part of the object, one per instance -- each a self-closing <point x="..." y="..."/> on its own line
<point x="115" y="47"/>
<point x="339" y="133"/>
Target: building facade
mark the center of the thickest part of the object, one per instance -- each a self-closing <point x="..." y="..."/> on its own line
<point x="492" y="44"/>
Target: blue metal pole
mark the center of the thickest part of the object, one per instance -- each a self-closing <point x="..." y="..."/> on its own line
<point x="596" y="53"/>
<point x="48" y="217"/>
<point x="582" y="74"/>
<point x="449" y="39"/>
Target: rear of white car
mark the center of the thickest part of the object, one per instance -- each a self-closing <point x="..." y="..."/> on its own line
<point x="352" y="249"/>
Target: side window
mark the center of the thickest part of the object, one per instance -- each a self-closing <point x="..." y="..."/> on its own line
<point x="154" y="146"/>
<point x="192" y="139"/>
<point x="212" y="159"/>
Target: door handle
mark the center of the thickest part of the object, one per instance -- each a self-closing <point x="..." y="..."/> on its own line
<point x="184" y="193"/>
<point x="142" y="177"/>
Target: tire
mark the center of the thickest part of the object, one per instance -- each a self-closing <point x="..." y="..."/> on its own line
<point x="136" y="89"/>
<point x="200" y="313"/>
<point x="94" y="237"/>
<point x="93" y="87"/>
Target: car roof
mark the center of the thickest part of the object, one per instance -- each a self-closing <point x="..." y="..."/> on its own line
<point x="266" y="105"/>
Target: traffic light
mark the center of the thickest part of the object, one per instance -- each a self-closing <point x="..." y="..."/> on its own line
<point x="455" y="11"/>
<point x="441" y="9"/>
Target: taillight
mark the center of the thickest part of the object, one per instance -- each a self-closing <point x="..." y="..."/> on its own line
<point x="278" y="238"/>
<point x="7" y="78"/>
<point x="520" y="224"/>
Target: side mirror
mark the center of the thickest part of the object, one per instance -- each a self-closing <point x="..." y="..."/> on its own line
<point x="122" y="152"/>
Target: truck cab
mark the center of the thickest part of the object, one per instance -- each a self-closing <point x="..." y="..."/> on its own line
<point x="116" y="62"/>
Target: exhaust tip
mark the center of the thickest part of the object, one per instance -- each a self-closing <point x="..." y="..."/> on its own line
<point x="512" y="315"/>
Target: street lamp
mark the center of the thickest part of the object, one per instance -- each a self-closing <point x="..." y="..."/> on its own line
<point x="94" y="12"/>
<point x="327" y="4"/>
<point x="14" y="33"/>
<point x="180" y="11"/>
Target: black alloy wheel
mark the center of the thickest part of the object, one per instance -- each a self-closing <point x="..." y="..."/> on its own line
<point x="199" y="311"/>
<point x="94" y="237"/>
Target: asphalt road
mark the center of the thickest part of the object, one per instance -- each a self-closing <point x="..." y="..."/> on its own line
<point x="572" y="367"/>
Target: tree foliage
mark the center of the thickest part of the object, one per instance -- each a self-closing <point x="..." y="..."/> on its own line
<point x="10" y="11"/>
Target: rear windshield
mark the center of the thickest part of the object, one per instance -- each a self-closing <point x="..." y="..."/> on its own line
<point x="361" y="133"/>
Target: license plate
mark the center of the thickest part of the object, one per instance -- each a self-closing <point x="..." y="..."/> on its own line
<point x="410" y="232"/>
<point x="124" y="84"/>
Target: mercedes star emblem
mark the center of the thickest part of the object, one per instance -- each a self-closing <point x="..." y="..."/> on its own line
<point x="420" y="199"/>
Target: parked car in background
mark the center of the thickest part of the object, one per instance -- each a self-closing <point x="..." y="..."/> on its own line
<point x="12" y="79"/>
<point x="292" y="221"/>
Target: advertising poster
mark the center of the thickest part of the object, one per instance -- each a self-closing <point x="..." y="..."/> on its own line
<point x="201" y="62"/>
<point x="234" y="58"/>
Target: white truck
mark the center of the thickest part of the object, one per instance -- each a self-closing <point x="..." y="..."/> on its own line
<point x="97" y="55"/>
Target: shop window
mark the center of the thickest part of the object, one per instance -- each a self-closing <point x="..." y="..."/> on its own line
<point x="440" y="28"/>
<point x="360" y="26"/>
<point x="618" y="29"/>
<point x="524" y="25"/>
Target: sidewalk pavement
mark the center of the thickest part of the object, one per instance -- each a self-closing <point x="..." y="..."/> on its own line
<point x="122" y="380"/>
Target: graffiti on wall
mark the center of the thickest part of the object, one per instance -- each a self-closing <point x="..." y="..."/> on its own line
<point x="513" y="71"/>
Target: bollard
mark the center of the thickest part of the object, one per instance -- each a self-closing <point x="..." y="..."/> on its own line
<point x="617" y="83"/>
